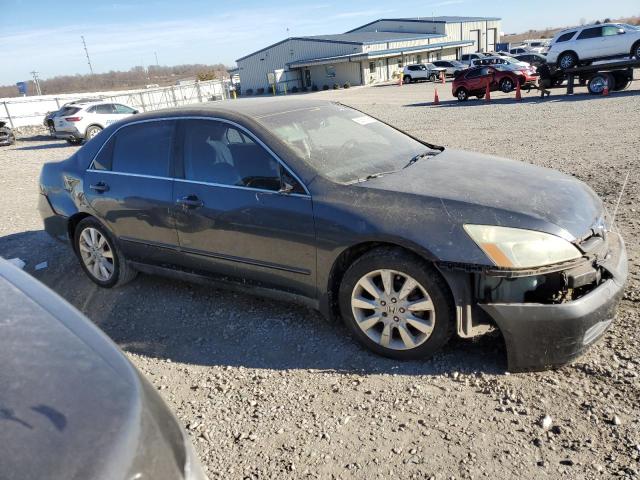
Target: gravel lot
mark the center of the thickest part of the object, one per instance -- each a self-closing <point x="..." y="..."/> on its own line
<point x="270" y="390"/>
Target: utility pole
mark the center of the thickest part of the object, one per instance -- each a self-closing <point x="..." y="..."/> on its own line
<point x="87" y="53"/>
<point x="36" y="81"/>
<point x="156" y="55"/>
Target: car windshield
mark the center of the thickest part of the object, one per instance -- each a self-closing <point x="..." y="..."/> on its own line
<point x="342" y="144"/>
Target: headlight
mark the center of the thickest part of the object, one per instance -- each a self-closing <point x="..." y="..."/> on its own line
<point x="518" y="248"/>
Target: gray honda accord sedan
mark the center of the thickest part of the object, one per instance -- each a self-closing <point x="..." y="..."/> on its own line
<point x="408" y="242"/>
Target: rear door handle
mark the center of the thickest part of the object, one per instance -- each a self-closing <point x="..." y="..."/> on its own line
<point x="100" y="187"/>
<point x="190" y="202"/>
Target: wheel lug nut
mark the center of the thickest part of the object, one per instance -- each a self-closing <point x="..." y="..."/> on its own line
<point x="393" y="300"/>
<point x="396" y="319"/>
<point x="384" y="314"/>
<point x="383" y="303"/>
<point x="402" y="310"/>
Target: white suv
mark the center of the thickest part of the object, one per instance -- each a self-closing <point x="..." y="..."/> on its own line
<point x="412" y="73"/>
<point x="571" y="47"/>
<point x="86" y="120"/>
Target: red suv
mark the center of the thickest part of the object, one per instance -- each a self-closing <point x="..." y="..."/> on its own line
<point x="500" y="77"/>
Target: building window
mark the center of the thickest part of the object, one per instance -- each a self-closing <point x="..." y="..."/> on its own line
<point x="331" y="71"/>
<point x="419" y="59"/>
<point x="372" y="67"/>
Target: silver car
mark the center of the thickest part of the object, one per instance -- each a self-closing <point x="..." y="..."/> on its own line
<point x="452" y="67"/>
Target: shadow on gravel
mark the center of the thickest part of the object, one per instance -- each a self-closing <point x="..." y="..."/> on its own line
<point x="554" y="98"/>
<point x="44" y="147"/>
<point x="36" y="138"/>
<point x="196" y="324"/>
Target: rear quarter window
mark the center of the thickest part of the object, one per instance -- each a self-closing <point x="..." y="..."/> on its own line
<point x="143" y="149"/>
<point x="565" y="37"/>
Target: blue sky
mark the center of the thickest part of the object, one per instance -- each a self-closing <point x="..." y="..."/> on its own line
<point x="45" y="35"/>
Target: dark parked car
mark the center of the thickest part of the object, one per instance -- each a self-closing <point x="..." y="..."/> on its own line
<point x="72" y="405"/>
<point x="408" y="242"/>
<point x="7" y="137"/>
<point x="535" y="59"/>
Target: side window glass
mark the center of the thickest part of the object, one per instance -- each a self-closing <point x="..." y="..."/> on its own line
<point x="104" y="159"/>
<point x="565" y="37"/>
<point x="122" y="109"/>
<point x="210" y="156"/>
<point x="144" y="148"/>
<point x="105" y="109"/>
<point x="609" y="31"/>
<point x="594" y="32"/>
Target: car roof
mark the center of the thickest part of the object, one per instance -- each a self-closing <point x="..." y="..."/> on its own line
<point x="245" y="107"/>
<point x="68" y="389"/>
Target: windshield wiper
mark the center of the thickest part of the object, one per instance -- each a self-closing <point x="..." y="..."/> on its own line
<point x="430" y="153"/>
<point x="371" y="176"/>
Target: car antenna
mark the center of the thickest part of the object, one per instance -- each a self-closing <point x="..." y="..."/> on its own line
<point x="624" y="185"/>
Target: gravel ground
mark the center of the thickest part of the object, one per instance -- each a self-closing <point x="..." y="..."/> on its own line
<point x="270" y="390"/>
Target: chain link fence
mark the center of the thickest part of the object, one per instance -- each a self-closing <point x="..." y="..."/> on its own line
<point x="30" y="111"/>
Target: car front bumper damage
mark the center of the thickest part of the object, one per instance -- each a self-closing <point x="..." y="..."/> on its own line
<point x="539" y="335"/>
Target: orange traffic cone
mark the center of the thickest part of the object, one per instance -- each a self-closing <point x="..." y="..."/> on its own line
<point x="436" y="99"/>
<point x="442" y="75"/>
<point x="518" y="94"/>
<point x="487" y="94"/>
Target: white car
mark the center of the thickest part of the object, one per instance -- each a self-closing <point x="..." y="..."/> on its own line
<point x="452" y="66"/>
<point x="85" y="120"/>
<point x="429" y="71"/>
<point x="574" y="46"/>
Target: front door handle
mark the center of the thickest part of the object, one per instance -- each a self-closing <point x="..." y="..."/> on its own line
<point x="99" y="187"/>
<point x="190" y="202"/>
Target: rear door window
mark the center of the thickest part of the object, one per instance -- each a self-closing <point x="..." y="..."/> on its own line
<point x="123" y="109"/>
<point x="143" y="149"/>
<point x="105" y="109"/>
<point x="593" y="32"/>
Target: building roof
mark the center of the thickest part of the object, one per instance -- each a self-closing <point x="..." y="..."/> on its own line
<point x="442" y="19"/>
<point x="378" y="53"/>
<point x="354" y="38"/>
<point x="364" y="38"/>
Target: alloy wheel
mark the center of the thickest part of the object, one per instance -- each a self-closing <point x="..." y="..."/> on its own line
<point x="567" y="61"/>
<point x="393" y="309"/>
<point x="97" y="254"/>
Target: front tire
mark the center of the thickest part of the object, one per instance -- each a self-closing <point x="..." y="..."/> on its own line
<point x="635" y="50"/>
<point x="598" y="82"/>
<point x="396" y="304"/>
<point x="406" y="79"/>
<point x="99" y="255"/>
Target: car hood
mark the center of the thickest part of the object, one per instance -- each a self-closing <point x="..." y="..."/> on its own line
<point x="476" y="188"/>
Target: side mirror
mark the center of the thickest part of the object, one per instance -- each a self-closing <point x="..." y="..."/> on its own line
<point x="135" y="112"/>
<point x="286" y="187"/>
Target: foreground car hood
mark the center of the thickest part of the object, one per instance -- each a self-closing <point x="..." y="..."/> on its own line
<point x="491" y="190"/>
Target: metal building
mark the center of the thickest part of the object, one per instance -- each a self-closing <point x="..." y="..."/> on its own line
<point x="368" y="54"/>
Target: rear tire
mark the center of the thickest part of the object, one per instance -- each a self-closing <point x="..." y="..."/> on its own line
<point x="462" y="94"/>
<point x="100" y="257"/>
<point x="92" y="131"/>
<point x="507" y="85"/>
<point x="567" y="60"/>
<point x="407" y="322"/>
<point x="635" y="50"/>
<point x="598" y="82"/>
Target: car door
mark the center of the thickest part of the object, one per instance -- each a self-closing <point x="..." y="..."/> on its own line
<point x="613" y="41"/>
<point x="128" y="186"/>
<point x="239" y="211"/>
<point x="589" y="43"/>
<point x="105" y="115"/>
